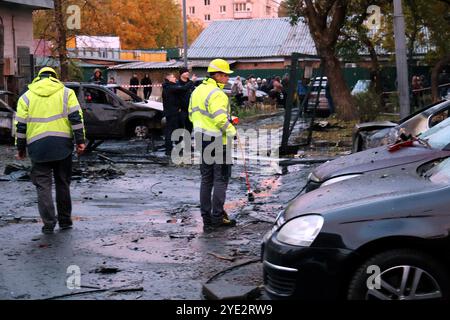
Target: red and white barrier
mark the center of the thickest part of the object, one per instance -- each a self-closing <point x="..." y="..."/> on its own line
<point x="141" y="86"/>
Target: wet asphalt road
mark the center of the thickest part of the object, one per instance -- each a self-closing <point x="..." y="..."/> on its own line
<point x="145" y="225"/>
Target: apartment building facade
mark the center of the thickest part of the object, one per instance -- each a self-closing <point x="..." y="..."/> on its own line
<point x="206" y="11"/>
<point x="16" y="41"/>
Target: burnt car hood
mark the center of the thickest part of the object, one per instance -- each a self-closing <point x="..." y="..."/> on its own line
<point x="375" y="159"/>
<point x="376" y="125"/>
<point x="387" y="187"/>
<point x="152" y="105"/>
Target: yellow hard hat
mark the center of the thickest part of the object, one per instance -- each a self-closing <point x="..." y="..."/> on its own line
<point x="48" y="70"/>
<point x="219" y="65"/>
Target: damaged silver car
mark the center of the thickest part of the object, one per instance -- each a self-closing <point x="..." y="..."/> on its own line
<point x="431" y="145"/>
<point x="374" y="134"/>
<point x="7" y="112"/>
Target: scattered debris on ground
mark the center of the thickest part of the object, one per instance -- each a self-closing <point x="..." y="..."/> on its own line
<point x="107" y="270"/>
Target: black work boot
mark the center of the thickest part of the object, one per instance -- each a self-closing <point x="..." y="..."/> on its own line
<point x="48" y="229"/>
<point x="65" y="226"/>
<point x="227" y="221"/>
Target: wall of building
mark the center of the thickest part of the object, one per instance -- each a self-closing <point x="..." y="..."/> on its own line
<point x="18" y="30"/>
<point x="144" y="56"/>
<point x="234" y="9"/>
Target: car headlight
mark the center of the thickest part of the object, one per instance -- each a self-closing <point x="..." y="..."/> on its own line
<point x="313" y="177"/>
<point x="301" y="231"/>
<point x="339" y="179"/>
<point x="269" y="234"/>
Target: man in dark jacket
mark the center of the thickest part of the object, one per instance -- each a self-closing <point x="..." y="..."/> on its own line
<point x="146" y="81"/>
<point x="185" y="96"/>
<point x="172" y="107"/>
<point x="134" y="81"/>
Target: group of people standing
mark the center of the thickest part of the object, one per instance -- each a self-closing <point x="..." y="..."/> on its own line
<point x="175" y="96"/>
<point x="275" y="87"/>
<point x="145" y="82"/>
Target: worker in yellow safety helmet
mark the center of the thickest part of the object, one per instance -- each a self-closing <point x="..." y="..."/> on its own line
<point x="48" y="120"/>
<point x="209" y="111"/>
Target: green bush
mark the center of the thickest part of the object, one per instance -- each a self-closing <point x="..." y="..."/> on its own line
<point x="368" y="105"/>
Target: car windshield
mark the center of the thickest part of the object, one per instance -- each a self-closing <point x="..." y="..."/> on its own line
<point x="438" y="136"/>
<point x="438" y="171"/>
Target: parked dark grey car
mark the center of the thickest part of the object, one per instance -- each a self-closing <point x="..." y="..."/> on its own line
<point x="374" y="134"/>
<point x="383" y="235"/>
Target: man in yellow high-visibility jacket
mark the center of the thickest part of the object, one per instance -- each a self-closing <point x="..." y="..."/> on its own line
<point x="48" y="119"/>
<point x="209" y="111"/>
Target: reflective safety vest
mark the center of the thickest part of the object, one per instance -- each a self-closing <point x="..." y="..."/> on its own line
<point x="209" y="111"/>
<point x="45" y="109"/>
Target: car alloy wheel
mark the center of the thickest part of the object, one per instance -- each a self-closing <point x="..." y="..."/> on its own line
<point x="141" y="131"/>
<point x="400" y="274"/>
<point x="405" y="283"/>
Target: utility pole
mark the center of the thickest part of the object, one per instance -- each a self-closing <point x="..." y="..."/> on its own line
<point x="185" y="38"/>
<point x="401" y="60"/>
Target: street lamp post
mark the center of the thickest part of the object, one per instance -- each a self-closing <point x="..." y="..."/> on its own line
<point x="185" y="39"/>
<point x="400" y="57"/>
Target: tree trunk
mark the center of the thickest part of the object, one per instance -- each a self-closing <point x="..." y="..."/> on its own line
<point x="445" y="60"/>
<point x="342" y="99"/>
<point x="61" y="40"/>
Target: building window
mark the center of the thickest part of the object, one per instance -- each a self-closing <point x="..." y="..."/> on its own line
<point x="191" y="10"/>
<point x="223" y="9"/>
<point x="239" y="7"/>
<point x="207" y="17"/>
<point x="207" y="2"/>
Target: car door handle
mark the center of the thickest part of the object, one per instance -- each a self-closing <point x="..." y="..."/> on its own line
<point x="109" y="108"/>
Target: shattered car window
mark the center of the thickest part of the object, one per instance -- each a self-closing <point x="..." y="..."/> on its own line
<point x="438" y="118"/>
<point x="439" y="172"/>
<point x="438" y="136"/>
<point x="92" y="95"/>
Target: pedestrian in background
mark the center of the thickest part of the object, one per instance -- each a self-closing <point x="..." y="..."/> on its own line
<point x="264" y="86"/>
<point x="97" y="77"/>
<point x="302" y="90"/>
<point x="237" y="91"/>
<point x="415" y="87"/>
<point x="185" y="96"/>
<point x="252" y="87"/>
<point x="49" y="119"/>
<point x="134" y="82"/>
<point x="112" y="80"/>
<point x="278" y="93"/>
<point x="147" y="82"/>
<point x="171" y="94"/>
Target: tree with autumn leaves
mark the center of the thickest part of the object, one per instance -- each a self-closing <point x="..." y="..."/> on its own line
<point x="333" y="23"/>
<point x="143" y="24"/>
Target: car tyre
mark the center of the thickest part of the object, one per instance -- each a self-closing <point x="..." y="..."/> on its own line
<point x="139" y="130"/>
<point x="405" y="274"/>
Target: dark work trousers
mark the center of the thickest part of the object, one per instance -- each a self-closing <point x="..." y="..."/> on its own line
<point x="42" y="175"/>
<point x="187" y="124"/>
<point x="147" y="93"/>
<point x="173" y="122"/>
<point x="213" y="189"/>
